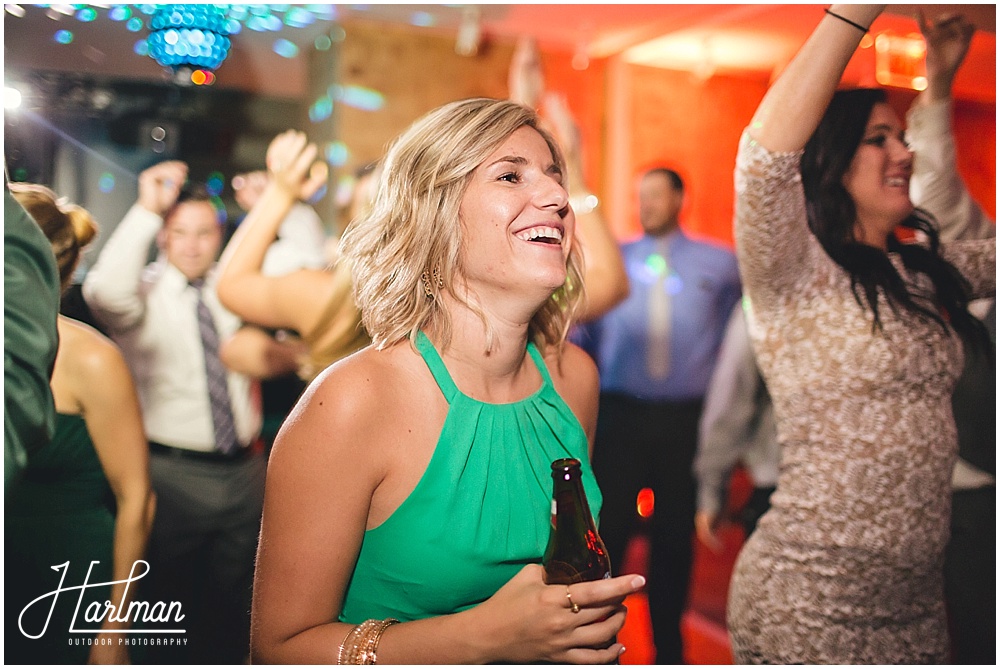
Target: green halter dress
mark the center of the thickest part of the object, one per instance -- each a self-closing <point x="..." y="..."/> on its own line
<point x="480" y="512"/>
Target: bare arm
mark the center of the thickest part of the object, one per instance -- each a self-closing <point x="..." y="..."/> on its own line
<point x="110" y="407"/>
<point x="290" y="301"/>
<point x="257" y="354"/>
<point x="112" y="287"/>
<point x="936" y="184"/>
<point x="777" y="254"/>
<point x="795" y="103"/>
<point x="604" y="277"/>
<point x="723" y="435"/>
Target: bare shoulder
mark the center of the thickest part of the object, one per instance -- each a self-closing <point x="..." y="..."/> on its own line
<point x="89" y="354"/>
<point x="572" y="367"/>
<point x="356" y="409"/>
<point x="574" y="375"/>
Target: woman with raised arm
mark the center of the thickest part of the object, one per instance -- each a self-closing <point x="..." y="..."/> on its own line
<point x="412" y="481"/>
<point x="859" y="337"/>
<point x="314" y="303"/>
<point x="87" y="495"/>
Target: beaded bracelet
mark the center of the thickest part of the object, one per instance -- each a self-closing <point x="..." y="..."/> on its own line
<point x="361" y="643"/>
<point x="847" y="21"/>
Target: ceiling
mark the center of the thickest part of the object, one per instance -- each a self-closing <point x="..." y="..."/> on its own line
<point x="706" y="38"/>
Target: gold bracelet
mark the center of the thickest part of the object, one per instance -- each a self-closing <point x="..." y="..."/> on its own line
<point x="361" y="643"/>
<point x="368" y="654"/>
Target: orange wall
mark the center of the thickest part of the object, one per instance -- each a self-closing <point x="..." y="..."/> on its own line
<point x="668" y="117"/>
<point x="694" y="128"/>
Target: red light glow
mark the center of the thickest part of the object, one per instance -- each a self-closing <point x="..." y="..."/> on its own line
<point x="644" y="502"/>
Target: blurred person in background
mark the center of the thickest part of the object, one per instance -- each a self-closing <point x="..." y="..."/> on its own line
<point x="202" y="420"/>
<point x="86" y="497"/>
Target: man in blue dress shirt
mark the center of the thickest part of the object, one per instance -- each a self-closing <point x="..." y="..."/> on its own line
<point x="656" y="352"/>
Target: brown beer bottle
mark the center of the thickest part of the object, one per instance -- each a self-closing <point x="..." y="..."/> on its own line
<point x="575" y="551"/>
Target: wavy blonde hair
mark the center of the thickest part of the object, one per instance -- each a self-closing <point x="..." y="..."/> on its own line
<point x="68" y="227"/>
<point x="414" y="227"/>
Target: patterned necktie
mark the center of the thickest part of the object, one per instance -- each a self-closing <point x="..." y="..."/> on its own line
<point x="215" y="374"/>
<point x="658" y="314"/>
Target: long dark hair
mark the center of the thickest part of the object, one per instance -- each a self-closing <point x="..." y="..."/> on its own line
<point x="832" y="216"/>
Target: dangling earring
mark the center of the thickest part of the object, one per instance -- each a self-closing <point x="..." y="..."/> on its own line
<point x="426" y="281"/>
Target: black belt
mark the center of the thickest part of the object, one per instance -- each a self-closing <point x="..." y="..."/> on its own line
<point x="204" y="456"/>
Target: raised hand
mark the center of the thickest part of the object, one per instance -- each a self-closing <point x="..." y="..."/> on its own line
<point x="525" y="82"/>
<point x="704" y="525"/>
<point x="160" y="185"/>
<point x="562" y="124"/>
<point x="948" y="41"/>
<point x="291" y="162"/>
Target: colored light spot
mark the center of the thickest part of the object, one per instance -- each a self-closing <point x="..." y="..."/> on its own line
<point x="644" y="502"/>
<point x="257" y="24"/>
<point x="234" y="27"/>
<point x="134" y="24"/>
<point x="323" y="43"/>
<point x="198" y="77"/>
<point x="299" y="18"/>
<point x="141" y="47"/>
<point x="215" y="183"/>
<point x="86" y="15"/>
<point x="422" y="19"/>
<point x="336" y="153"/>
<point x="238" y="12"/>
<point x="321" y="109"/>
<point x="106" y="183"/>
<point x="63" y="36"/>
<point x="674" y="284"/>
<point x="285" y="48"/>
<point x="220" y="209"/>
<point x="359" y="97"/>
<point x="120" y="13"/>
<point x="656" y="264"/>
<point x="325" y="12"/>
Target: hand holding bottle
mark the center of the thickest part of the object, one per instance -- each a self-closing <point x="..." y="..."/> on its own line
<point x="531" y="621"/>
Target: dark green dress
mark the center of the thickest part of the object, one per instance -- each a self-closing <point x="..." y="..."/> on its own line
<point x="480" y="512"/>
<point x="60" y="511"/>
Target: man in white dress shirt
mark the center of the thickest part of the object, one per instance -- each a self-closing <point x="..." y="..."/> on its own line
<point x="202" y="421"/>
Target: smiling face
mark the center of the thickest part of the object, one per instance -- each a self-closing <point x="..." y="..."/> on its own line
<point x="192" y="237"/>
<point x="517" y="224"/>
<point x="878" y="179"/>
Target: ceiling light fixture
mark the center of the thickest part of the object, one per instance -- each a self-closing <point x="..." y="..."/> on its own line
<point x="188" y="39"/>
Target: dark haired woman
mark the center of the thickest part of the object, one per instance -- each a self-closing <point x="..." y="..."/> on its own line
<point x="859" y="337"/>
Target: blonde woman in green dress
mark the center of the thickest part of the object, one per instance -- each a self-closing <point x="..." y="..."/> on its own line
<point x="412" y="481"/>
